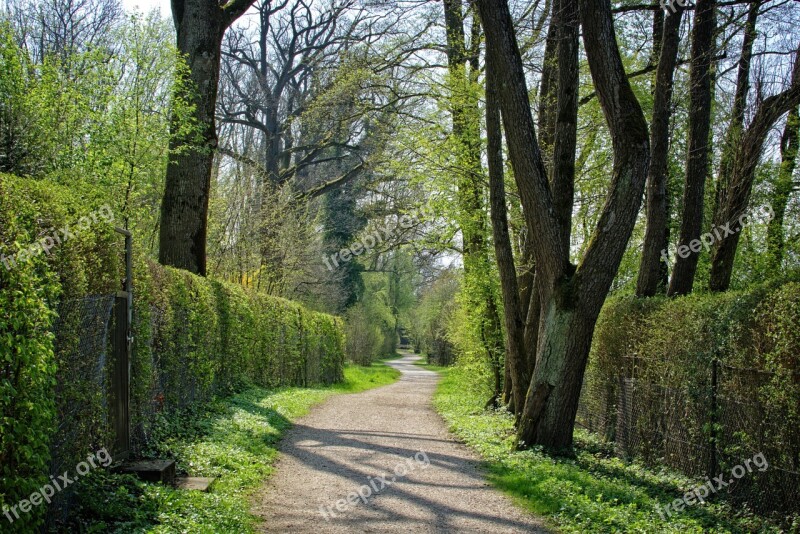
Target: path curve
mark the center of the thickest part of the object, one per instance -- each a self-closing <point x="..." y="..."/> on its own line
<point x="346" y="445"/>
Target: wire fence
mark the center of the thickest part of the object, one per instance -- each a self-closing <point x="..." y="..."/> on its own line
<point x="82" y="347"/>
<point x="702" y="428"/>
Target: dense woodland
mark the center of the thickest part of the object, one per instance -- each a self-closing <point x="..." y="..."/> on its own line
<point x="478" y="177"/>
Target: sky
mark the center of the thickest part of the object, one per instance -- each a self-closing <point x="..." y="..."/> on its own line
<point x="146" y="5"/>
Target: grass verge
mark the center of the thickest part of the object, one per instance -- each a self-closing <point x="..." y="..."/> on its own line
<point x="594" y="492"/>
<point x="232" y="439"/>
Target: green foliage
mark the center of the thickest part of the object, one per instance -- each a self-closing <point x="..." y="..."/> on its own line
<point x="365" y="337"/>
<point x="669" y="347"/>
<point x="97" y="121"/>
<point x="31" y="291"/>
<point x="194" y="338"/>
<point x="234" y="440"/>
<point x="592" y="492"/>
<point x="373" y="323"/>
<point x="433" y="317"/>
<point x="18" y="137"/>
<point x="27" y="363"/>
<point x="210" y="338"/>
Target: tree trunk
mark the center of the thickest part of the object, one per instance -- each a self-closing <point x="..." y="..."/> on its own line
<point x="733" y="206"/>
<point x="516" y="364"/>
<point x="548" y="88"/>
<point x="465" y="110"/>
<point x="200" y="25"/>
<point x="565" y="138"/>
<point x="782" y="191"/>
<point x="697" y="158"/>
<point x="570" y="299"/>
<point x="653" y="269"/>
<point x="565" y="339"/>
<point x="734" y="133"/>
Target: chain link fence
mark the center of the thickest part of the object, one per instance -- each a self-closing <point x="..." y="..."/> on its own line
<point x="702" y="428"/>
<point x="82" y="351"/>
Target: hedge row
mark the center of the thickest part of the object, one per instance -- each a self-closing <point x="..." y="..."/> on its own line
<point x="702" y="383"/>
<point x="193" y="338"/>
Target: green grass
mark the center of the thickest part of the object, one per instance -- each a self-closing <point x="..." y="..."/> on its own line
<point x="358" y="378"/>
<point x="437" y="368"/>
<point x="233" y="439"/>
<point x="593" y="492"/>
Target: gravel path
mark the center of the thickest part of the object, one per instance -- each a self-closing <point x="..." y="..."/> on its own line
<point x="392" y="447"/>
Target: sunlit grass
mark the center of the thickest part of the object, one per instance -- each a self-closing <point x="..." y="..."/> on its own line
<point x="233" y="440"/>
<point x="593" y="492"/>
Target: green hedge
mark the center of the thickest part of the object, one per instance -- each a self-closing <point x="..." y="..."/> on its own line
<point x="30" y="365"/>
<point x="194" y="338"/>
<point x="650" y="385"/>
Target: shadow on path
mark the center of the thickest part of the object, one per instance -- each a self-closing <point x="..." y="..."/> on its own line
<point x="389" y="445"/>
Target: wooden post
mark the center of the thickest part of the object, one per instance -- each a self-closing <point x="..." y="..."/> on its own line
<point x="121" y="370"/>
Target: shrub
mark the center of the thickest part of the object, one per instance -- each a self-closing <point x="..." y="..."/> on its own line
<point x="27" y="364"/>
<point x="701" y="383"/>
<point x="364" y="337"/>
<point x="194" y="339"/>
<point x="199" y="338"/>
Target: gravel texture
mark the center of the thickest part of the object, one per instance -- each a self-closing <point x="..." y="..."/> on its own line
<point x="392" y="447"/>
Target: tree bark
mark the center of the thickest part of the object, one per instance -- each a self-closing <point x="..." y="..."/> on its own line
<point x="548" y="88"/>
<point x="653" y="270"/>
<point x="516" y="363"/>
<point x="200" y="26"/>
<point x="565" y="138"/>
<point x="697" y="157"/>
<point x="783" y="187"/>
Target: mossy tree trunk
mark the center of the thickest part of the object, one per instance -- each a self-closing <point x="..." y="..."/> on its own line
<point x="466" y="137"/>
<point x="570" y="297"/>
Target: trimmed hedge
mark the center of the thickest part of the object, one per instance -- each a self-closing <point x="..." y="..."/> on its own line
<point x="31" y="365"/>
<point x="194" y="338"/>
<point x="650" y="385"/>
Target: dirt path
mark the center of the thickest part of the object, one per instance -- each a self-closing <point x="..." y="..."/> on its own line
<point x="389" y="445"/>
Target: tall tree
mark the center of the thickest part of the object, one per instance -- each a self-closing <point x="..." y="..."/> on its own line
<point x="463" y="72"/>
<point x="200" y="27"/>
<point x="734" y="133"/>
<point x="783" y="188"/>
<point x="698" y="147"/>
<point x="571" y="297"/>
<point x="517" y="373"/>
<point x="732" y="205"/>
<point x="653" y="270"/>
<point x="62" y="28"/>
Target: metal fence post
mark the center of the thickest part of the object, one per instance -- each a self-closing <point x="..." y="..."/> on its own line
<point x="714" y="461"/>
<point x="123" y="341"/>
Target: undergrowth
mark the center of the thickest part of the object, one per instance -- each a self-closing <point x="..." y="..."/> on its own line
<point x="592" y="492"/>
<point x="233" y="440"/>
